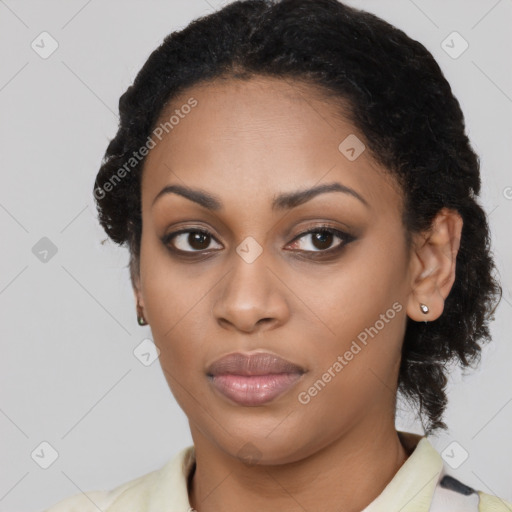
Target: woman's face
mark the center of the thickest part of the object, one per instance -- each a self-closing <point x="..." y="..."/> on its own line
<point x="331" y="302"/>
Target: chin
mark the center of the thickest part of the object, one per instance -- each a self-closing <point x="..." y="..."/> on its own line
<point x="262" y="449"/>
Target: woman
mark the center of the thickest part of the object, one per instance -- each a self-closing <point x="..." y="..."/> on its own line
<point x="305" y="241"/>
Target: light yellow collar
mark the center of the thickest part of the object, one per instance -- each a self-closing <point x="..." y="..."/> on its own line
<point x="410" y="490"/>
<point x="413" y="486"/>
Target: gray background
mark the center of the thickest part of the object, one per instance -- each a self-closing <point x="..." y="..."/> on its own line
<point x="68" y="373"/>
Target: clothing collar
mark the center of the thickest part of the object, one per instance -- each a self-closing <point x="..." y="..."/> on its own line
<point x="413" y="486"/>
<point x="410" y="490"/>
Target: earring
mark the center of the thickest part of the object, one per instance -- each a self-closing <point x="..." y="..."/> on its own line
<point x="140" y="317"/>
<point x="424" y="309"/>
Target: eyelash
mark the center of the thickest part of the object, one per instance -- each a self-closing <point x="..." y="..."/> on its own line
<point x="345" y="237"/>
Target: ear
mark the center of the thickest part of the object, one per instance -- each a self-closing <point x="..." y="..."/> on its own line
<point x="432" y="265"/>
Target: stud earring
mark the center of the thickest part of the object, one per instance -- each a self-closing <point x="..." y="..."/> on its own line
<point x="425" y="310"/>
<point x="140" y="317"/>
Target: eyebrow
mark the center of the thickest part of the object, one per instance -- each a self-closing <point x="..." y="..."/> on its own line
<point x="284" y="201"/>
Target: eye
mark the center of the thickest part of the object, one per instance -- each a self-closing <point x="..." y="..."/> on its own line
<point x="198" y="239"/>
<point x="321" y="239"/>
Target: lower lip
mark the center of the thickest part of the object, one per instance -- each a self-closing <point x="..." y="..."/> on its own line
<point x="254" y="389"/>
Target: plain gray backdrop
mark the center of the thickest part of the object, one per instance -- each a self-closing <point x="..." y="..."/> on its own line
<point x="69" y="376"/>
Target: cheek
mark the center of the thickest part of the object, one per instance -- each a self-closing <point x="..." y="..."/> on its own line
<point x="174" y="299"/>
<point x="357" y="312"/>
<point x="177" y="324"/>
<point x="368" y="283"/>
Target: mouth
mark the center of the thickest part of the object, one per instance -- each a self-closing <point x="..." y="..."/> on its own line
<point x="253" y="379"/>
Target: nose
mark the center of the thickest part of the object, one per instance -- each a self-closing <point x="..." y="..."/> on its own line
<point x="252" y="298"/>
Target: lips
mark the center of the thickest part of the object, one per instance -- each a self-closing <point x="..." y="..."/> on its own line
<point x="261" y="363"/>
<point x="253" y="379"/>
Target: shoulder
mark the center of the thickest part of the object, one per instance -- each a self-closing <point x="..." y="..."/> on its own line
<point x="164" y="488"/>
<point x="454" y="496"/>
<point x="490" y="503"/>
<point x="92" y="501"/>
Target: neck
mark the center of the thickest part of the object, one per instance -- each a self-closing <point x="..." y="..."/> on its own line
<point x="344" y="476"/>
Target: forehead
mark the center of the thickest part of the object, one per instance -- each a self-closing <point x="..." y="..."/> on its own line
<point x="252" y="138"/>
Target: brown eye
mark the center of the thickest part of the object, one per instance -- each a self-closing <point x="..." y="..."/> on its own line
<point x="197" y="240"/>
<point x="321" y="240"/>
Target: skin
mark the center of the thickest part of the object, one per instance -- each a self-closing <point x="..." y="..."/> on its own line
<point x="245" y="142"/>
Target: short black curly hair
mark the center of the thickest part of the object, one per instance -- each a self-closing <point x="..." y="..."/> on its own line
<point x="400" y="101"/>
